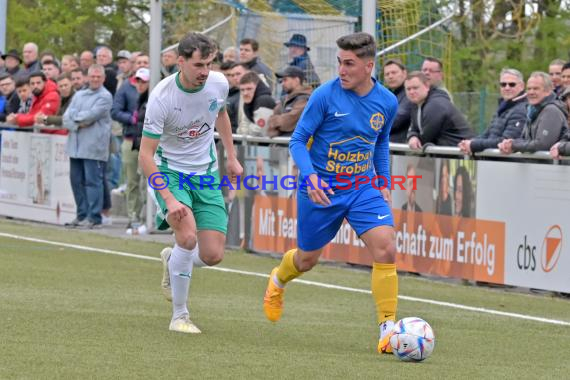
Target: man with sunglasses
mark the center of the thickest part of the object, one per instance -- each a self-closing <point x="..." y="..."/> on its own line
<point x="546" y="118"/>
<point x="508" y="121"/>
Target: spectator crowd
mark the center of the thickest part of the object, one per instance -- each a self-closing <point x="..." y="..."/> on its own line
<point x="99" y="99"/>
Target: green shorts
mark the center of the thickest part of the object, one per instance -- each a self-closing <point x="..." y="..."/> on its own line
<point x="207" y="204"/>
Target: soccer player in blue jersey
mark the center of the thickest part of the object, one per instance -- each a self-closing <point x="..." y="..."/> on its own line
<point x="349" y="119"/>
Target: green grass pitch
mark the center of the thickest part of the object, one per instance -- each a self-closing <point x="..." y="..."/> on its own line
<point x="71" y="314"/>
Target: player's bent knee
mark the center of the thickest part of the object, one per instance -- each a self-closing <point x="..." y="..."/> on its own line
<point x="213" y="258"/>
<point x="386" y="252"/>
<point x="187" y="239"/>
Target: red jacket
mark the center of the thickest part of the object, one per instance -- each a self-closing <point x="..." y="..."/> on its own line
<point x="47" y="103"/>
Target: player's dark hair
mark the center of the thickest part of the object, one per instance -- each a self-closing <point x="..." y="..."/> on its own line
<point x="196" y="41"/>
<point x="362" y="44"/>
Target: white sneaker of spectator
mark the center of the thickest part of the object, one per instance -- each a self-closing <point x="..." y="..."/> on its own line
<point x="120" y="190"/>
<point x="137" y="229"/>
<point x="106" y="220"/>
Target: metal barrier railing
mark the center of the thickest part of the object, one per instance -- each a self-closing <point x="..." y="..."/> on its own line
<point x="429" y="150"/>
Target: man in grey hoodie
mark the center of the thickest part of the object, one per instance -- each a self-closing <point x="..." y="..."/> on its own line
<point x="88" y="119"/>
<point x="546" y="118"/>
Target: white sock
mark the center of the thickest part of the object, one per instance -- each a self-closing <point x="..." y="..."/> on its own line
<point x="196" y="260"/>
<point x="385" y="328"/>
<point x="180" y="267"/>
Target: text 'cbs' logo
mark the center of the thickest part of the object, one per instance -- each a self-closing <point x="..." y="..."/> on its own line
<point x="550" y="251"/>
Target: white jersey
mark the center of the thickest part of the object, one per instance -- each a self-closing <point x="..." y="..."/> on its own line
<point x="184" y="122"/>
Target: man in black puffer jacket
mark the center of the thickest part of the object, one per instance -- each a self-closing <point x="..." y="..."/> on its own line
<point x="509" y="120"/>
<point x="435" y="120"/>
<point x="546" y="118"/>
<point x="395" y="74"/>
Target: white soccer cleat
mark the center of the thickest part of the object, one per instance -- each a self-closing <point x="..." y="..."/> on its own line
<point x="183" y="324"/>
<point x="165" y="283"/>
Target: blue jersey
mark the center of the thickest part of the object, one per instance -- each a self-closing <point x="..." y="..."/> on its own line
<point x="350" y="134"/>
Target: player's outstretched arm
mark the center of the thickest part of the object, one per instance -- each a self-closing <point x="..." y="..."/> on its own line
<point x="146" y="161"/>
<point x="224" y="129"/>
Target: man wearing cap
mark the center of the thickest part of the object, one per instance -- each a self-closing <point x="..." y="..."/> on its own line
<point x="298" y="49"/>
<point x="124" y="65"/>
<point x="287" y="113"/>
<point x="123" y="111"/>
<point x="142" y="85"/>
<point x="12" y="63"/>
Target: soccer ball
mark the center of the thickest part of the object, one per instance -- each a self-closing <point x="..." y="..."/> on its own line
<point x="413" y="339"/>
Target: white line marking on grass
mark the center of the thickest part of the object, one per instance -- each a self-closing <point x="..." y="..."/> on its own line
<point x="312" y="283"/>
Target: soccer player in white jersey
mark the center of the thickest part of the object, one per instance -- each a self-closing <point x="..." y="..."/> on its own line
<point x="178" y="156"/>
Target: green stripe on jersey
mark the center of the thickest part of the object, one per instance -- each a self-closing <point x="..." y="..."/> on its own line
<point x="163" y="160"/>
<point x="188" y="90"/>
<point x="213" y="157"/>
<point x="151" y="135"/>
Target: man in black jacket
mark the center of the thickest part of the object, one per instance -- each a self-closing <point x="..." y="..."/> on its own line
<point x="395" y="74"/>
<point x="562" y="148"/>
<point x="233" y="94"/>
<point x="509" y="120"/>
<point x="546" y="118"/>
<point x="8" y="90"/>
<point x="435" y="120"/>
<point x="248" y="48"/>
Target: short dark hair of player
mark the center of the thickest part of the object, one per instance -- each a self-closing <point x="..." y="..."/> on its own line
<point x="249" y="77"/>
<point x="362" y="44"/>
<point x="37" y="74"/>
<point x="566" y="66"/>
<point x="395" y="61"/>
<point x="433" y="59"/>
<point x="250" y="41"/>
<point x="196" y="41"/>
<point x="227" y="65"/>
<point x="418" y="74"/>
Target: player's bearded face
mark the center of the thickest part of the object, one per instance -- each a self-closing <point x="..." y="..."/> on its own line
<point x="352" y="70"/>
<point x="195" y="69"/>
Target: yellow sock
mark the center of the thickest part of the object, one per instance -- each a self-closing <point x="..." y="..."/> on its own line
<point x="384" y="286"/>
<point x="287" y="270"/>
